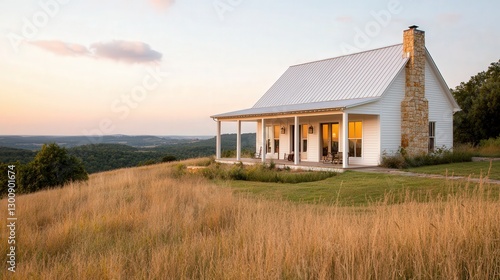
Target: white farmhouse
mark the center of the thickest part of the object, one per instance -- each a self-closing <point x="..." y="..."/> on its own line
<point x="357" y="106"/>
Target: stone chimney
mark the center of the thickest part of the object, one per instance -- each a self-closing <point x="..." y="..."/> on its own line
<point x="414" y="107"/>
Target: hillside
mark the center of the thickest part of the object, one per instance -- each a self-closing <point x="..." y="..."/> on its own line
<point x="156" y="223"/>
<point x="108" y="156"/>
<point x="140" y="141"/>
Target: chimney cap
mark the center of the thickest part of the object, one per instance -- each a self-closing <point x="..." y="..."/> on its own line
<point x="413" y="26"/>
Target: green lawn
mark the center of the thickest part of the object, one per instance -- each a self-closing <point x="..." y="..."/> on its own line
<point x="349" y="189"/>
<point x="475" y="169"/>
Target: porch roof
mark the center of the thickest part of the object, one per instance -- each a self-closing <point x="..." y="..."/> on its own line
<point x="324" y="106"/>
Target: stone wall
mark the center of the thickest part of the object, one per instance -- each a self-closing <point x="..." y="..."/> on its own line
<point x="414" y="107"/>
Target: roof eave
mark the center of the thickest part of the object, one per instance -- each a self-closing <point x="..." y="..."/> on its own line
<point x="296" y="112"/>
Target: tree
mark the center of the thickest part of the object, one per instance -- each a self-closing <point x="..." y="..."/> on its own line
<point x="168" y="158"/>
<point x="479" y="100"/>
<point x="51" y="167"/>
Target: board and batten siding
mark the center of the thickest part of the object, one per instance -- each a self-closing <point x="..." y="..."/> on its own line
<point x="390" y="117"/>
<point x="285" y="143"/>
<point x="313" y="144"/>
<point x="440" y="109"/>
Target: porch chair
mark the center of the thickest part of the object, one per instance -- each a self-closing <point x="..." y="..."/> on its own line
<point x="289" y="157"/>
<point x="259" y="154"/>
<point x="337" y="158"/>
<point x="328" y="158"/>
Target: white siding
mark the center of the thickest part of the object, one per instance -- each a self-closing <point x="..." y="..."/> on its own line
<point x="373" y="108"/>
<point x="313" y="147"/>
<point x="440" y="109"/>
<point x="285" y="143"/>
<point x="371" y="140"/>
<point x="390" y="117"/>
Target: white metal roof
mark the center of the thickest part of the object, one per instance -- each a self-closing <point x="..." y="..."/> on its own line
<point x="339" y="82"/>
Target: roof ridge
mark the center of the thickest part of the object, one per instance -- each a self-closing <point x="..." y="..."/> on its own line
<point x="346" y="55"/>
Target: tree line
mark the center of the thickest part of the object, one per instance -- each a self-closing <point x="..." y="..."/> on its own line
<point x="479" y="99"/>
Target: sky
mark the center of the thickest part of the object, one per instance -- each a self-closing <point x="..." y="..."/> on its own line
<point x="163" y="67"/>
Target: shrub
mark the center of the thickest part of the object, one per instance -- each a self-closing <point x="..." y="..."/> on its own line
<point x="179" y="170"/>
<point x="168" y="158"/>
<point x="396" y="161"/>
<point x="215" y="171"/>
<point x="489" y="147"/>
<point x="237" y="172"/>
<point x="441" y="155"/>
<point x="228" y="154"/>
<point x="272" y="165"/>
<point x="261" y="173"/>
<point x="204" y="161"/>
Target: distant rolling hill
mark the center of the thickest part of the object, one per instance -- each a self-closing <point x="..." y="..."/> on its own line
<point x="35" y="142"/>
<point x="108" y="156"/>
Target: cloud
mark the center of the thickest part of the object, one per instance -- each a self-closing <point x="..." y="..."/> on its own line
<point x="162" y="4"/>
<point x="131" y="52"/>
<point x="61" y="48"/>
<point x="118" y="50"/>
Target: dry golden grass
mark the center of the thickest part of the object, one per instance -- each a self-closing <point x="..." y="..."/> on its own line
<point x="143" y="224"/>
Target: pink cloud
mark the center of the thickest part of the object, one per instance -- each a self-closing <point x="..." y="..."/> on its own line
<point x="61" y="48"/>
<point x="131" y="52"/>
<point x="118" y="50"/>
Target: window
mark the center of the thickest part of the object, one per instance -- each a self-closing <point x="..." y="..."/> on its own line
<point x="324" y="139"/>
<point x="268" y="139"/>
<point x="330" y="138"/>
<point x="304" y="131"/>
<point x="335" y="138"/>
<point x="355" y="139"/>
<point x="277" y="139"/>
<point x="272" y="139"/>
<point x="432" y="136"/>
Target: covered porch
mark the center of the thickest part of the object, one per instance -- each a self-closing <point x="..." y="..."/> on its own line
<point x="313" y="136"/>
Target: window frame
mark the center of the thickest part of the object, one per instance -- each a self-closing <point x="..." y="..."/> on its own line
<point x="355" y="140"/>
<point x="432" y="137"/>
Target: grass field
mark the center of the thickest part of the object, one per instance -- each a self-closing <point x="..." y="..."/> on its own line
<point x="142" y="223"/>
<point x="473" y="169"/>
<point x="353" y="189"/>
<point x="347" y="189"/>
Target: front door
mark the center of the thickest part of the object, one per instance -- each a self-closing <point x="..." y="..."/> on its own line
<point x="303" y="144"/>
<point x="330" y="138"/>
<point x="303" y="141"/>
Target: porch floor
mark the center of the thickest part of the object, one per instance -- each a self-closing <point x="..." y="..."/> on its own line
<point x="304" y="165"/>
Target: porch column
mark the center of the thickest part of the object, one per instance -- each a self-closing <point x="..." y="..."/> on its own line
<point x="263" y="141"/>
<point x="345" y="140"/>
<point x="296" y="152"/>
<point x="238" y="141"/>
<point x="218" y="141"/>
